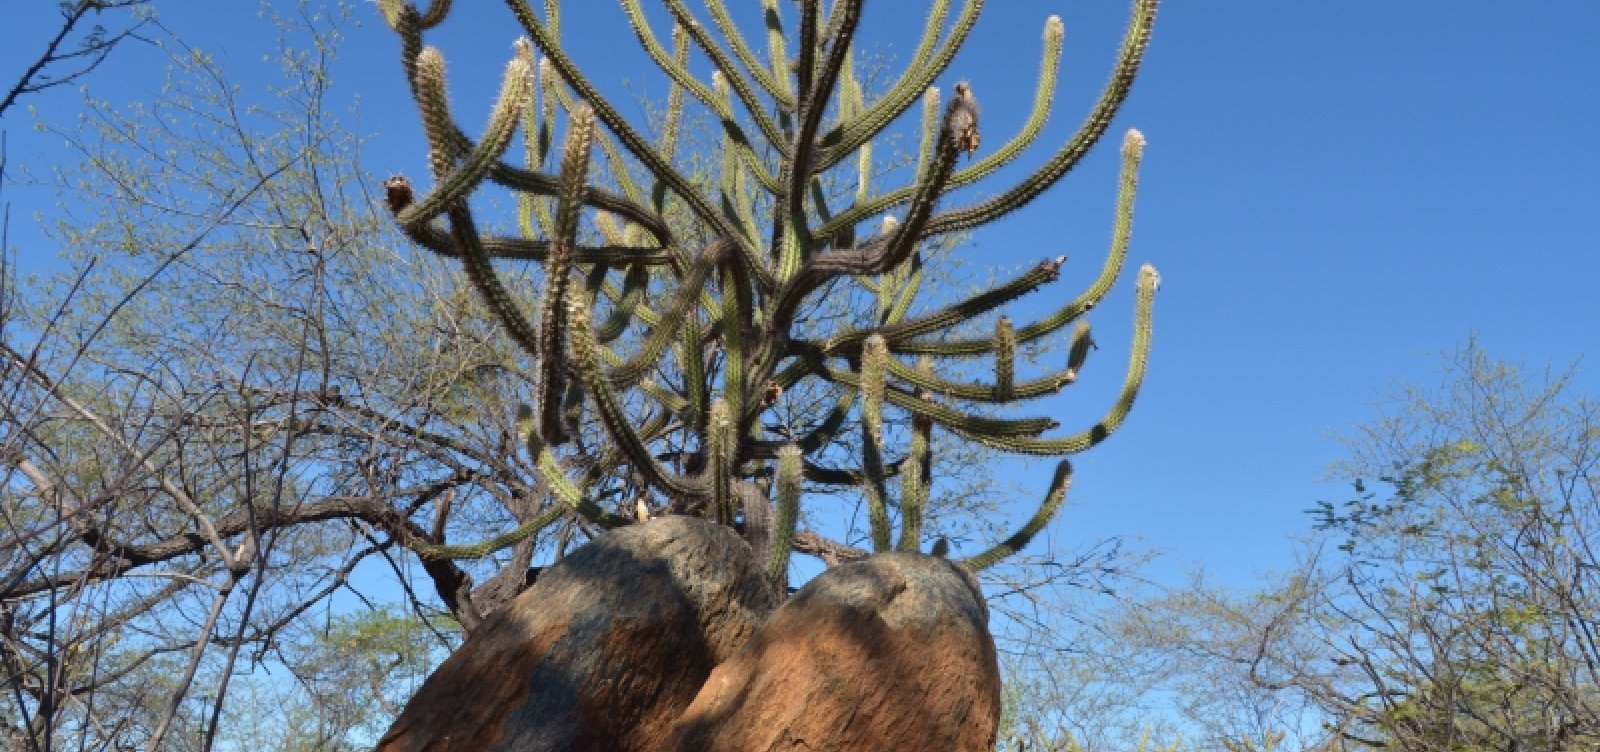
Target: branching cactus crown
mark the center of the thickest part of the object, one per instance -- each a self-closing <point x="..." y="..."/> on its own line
<point x="670" y="319"/>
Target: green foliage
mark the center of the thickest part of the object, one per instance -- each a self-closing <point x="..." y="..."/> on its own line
<point x="1450" y="606"/>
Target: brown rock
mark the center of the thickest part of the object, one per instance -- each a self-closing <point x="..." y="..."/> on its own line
<point x="887" y="653"/>
<point x="602" y="653"/>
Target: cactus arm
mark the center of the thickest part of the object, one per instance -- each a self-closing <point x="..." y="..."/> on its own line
<point x="455" y="181"/>
<point x="936" y="320"/>
<point x="984" y="393"/>
<point x="915" y="479"/>
<point x="898" y="333"/>
<point x="752" y="101"/>
<point x="926" y="66"/>
<point x="508" y="175"/>
<point x="789" y="476"/>
<point x="1043" y="101"/>
<point x="892" y="249"/>
<point x="485" y="547"/>
<point x="617" y="423"/>
<point x="955" y="420"/>
<point x="683" y="301"/>
<point x="874" y="354"/>
<point x="908" y="292"/>
<point x="558" y="276"/>
<point x="550" y="95"/>
<point x="1128" y="61"/>
<point x="790" y="233"/>
<point x="719" y="439"/>
<point x="552" y="352"/>
<point x="737" y="203"/>
<point x="1041" y="517"/>
<point x="692" y="363"/>
<point x="552" y="12"/>
<point x="1005" y="360"/>
<point x="439" y="241"/>
<point x="681" y="77"/>
<point x="929" y="140"/>
<point x="674" y="119"/>
<point x="619" y="168"/>
<point x="737" y="318"/>
<point x="483" y="277"/>
<point x="1121" y="234"/>
<point x="574" y="174"/>
<point x="550" y="471"/>
<point x="529" y="204"/>
<point x="741" y="50"/>
<point x="888" y="251"/>
<point x="626" y="305"/>
<point x="641" y="311"/>
<point x="789" y="225"/>
<point x="1078" y="351"/>
<point x="777" y="51"/>
<point x="1112" y="420"/>
<point x="670" y="401"/>
<point x="529" y="181"/>
<point x="630" y="138"/>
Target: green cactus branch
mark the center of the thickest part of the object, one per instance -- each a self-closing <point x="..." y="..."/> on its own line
<point x="874" y="357"/>
<point x="625" y="304"/>
<point x="517" y="249"/>
<point x="677" y="366"/>
<point x="1043" y="100"/>
<point x="1128" y="61"/>
<point x="788" y="504"/>
<point x="777" y="47"/>
<point x="556" y="478"/>
<point x="955" y="420"/>
<point x="616" y="420"/>
<point x="896" y="247"/>
<point x="1041" y="517"/>
<point x="483" y="548"/>
<point x="1112" y="420"/>
<point x="916" y="479"/>
<point x="631" y="138"/>
<point x="927" y="66"/>
<point x="741" y="49"/>
<point x="1121" y="234"/>
<point x="680" y="75"/>
<point x="816" y="89"/>
<point x="683" y="303"/>
<point x="730" y="73"/>
<point x="942" y="319"/>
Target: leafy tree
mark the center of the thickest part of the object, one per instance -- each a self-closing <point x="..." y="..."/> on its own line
<point x="1474" y="573"/>
<point x="1450" y="605"/>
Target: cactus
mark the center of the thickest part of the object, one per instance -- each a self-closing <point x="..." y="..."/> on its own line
<point x="665" y="285"/>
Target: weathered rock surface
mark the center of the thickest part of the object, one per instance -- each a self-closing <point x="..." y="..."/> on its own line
<point x="887" y="653"/>
<point x="604" y="652"/>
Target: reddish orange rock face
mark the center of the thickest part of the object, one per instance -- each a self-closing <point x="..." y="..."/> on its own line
<point x="888" y="653"/>
<point x="604" y="652"/>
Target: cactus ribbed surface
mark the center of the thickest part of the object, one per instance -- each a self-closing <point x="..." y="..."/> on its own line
<point x="673" y="291"/>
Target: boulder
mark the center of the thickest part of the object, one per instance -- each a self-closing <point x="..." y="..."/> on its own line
<point x="603" y="652"/>
<point x="887" y="653"/>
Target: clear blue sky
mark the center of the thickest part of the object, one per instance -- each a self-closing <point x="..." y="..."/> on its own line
<point x="1331" y="191"/>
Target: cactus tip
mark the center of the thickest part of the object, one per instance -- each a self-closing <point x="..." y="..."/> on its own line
<point x="1133" y="143"/>
<point x="1149" y="276"/>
